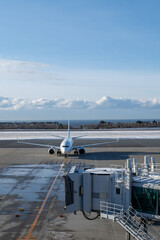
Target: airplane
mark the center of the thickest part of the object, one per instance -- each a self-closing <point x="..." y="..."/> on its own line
<point x="66" y="145"/>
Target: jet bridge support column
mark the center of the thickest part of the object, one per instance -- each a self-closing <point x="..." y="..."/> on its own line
<point x="128" y="236"/>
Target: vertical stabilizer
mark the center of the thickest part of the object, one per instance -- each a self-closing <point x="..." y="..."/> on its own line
<point x="68" y="129"/>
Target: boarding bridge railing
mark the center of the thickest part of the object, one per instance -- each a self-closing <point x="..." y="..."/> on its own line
<point x="110" y="210"/>
<point x="144" y="170"/>
<point x="130" y="220"/>
<point x="119" y="174"/>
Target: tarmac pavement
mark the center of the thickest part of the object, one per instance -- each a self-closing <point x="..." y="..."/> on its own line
<point x="26" y="175"/>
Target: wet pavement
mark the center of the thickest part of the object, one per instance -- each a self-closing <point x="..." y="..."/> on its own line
<point x="23" y="189"/>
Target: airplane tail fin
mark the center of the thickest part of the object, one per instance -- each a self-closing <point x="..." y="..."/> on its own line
<point x="68" y="129"/>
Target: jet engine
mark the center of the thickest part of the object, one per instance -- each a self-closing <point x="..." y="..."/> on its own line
<point x="82" y="151"/>
<point x="51" y="151"/>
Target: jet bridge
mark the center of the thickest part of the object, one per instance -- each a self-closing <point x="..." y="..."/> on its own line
<point x="135" y="186"/>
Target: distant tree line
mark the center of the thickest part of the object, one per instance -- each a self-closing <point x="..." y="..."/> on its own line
<point x="32" y="125"/>
<point x="110" y="125"/>
<point x="101" y="125"/>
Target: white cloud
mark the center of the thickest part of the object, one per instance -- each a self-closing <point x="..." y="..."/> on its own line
<point x="59" y="103"/>
<point x="22" y="71"/>
<point x="123" y="103"/>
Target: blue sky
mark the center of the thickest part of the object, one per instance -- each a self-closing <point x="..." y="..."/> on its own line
<point x="79" y="51"/>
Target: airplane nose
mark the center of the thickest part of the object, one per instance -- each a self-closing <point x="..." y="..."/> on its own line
<point x="63" y="150"/>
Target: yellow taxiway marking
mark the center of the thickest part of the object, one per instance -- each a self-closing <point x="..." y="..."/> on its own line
<point x="29" y="237"/>
<point x="25" y="237"/>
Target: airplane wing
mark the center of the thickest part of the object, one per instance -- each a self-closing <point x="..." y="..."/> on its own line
<point x="94" y="144"/>
<point x="79" y="137"/>
<point x="38" y="144"/>
<point x="57" y="136"/>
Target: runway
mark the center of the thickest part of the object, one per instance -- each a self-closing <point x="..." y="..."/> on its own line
<point x="28" y="172"/>
<point x="152" y="133"/>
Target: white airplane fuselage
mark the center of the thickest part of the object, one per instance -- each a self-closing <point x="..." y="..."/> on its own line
<point x="66" y="145"/>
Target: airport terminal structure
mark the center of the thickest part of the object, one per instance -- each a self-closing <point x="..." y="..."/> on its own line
<point x="130" y="195"/>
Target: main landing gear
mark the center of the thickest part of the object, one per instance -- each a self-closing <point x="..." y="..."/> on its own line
<point x="75" y="152"/>
<point x="58" y="152"/>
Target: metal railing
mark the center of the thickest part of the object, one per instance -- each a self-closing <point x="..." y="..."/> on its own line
<point x="109" y="209"/>
<point x="130" y="220"/>
<point x="137" y="225"/>
<point x="119" y="174"/>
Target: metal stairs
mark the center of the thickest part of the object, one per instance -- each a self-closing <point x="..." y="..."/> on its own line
<point x="132" y="221"/>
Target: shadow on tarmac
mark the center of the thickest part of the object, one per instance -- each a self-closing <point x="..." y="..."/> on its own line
<point x="113" y="155"/>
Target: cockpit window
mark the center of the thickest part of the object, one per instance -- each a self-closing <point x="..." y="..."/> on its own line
<point x="65" y="146"/>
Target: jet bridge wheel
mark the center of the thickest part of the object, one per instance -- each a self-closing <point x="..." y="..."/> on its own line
<point x="91" y="215"/>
